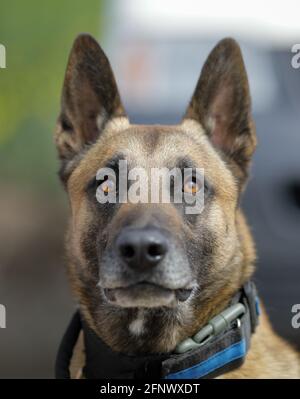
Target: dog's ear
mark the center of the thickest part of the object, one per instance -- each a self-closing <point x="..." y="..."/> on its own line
<point x="90" y="98"/>
<point x="221" y="103"/>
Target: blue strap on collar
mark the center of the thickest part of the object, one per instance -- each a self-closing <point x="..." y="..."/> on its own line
<point x="217" y="361"/>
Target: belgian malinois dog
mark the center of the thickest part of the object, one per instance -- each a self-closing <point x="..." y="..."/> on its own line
<point x="147" y="276"/>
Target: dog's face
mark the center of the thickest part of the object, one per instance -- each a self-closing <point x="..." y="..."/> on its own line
<point x="128" y="258"/>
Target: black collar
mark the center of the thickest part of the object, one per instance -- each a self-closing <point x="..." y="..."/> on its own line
<point x="217" y="348"/>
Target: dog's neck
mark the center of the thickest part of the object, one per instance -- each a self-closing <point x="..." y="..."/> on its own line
<point x="217" y="348"/>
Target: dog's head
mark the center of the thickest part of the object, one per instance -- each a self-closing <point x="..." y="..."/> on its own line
<point x="135" y="263"/>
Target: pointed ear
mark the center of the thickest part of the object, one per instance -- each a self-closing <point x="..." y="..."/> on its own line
<point x="90" y="98"/>
<point x="221" y="104"/>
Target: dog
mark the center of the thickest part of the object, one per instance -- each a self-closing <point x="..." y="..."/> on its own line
<point x="149" y="276"/>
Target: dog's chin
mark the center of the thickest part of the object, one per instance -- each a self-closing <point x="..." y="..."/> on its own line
<point x="145" y="295"/>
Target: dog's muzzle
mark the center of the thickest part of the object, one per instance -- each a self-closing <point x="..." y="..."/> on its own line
<point x="145" y="269"/>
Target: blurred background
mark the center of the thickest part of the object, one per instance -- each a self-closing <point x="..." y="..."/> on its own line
<point x="156" y="49"/>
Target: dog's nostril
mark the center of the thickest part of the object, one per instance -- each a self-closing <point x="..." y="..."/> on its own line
<point x="127" y="251"/>
<point x="156" y="250"/>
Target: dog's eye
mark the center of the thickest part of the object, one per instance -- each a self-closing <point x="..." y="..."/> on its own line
<point x="191" y="185"/>
<point x="108" y="186"/>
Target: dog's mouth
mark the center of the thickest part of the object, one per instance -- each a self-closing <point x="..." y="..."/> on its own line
<point x="147" y="295"/>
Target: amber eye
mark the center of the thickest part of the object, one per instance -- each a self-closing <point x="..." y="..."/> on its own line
<point x="108" y="186"/>
<point x="191" y="186"/>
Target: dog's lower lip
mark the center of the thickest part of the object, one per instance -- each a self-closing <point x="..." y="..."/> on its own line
<point x="182" y="294"/>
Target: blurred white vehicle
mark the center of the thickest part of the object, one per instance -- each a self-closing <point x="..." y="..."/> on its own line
<point x="157" y="48"/>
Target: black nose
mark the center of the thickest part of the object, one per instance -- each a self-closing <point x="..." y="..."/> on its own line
<point x="141" y="248"/>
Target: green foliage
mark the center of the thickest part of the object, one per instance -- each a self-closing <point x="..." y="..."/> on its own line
<point x="38" y="37"/>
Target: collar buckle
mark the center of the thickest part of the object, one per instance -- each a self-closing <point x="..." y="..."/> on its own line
<point x="215" y="326"/>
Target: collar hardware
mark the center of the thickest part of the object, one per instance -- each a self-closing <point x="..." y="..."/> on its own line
<point x="215" y="326"/>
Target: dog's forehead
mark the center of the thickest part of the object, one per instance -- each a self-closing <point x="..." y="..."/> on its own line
<point x="151" y="145"/>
